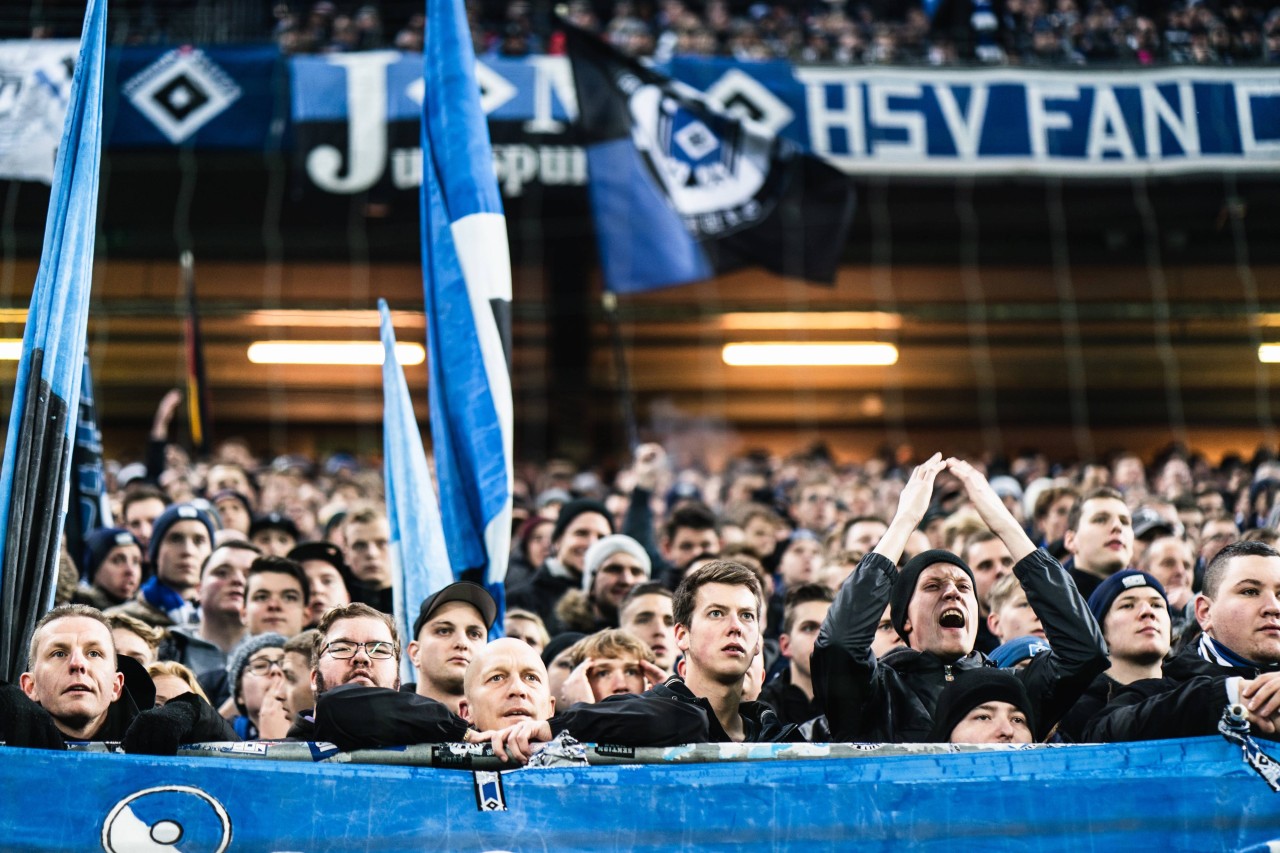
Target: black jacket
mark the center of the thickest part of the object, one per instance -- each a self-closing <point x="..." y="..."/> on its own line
<point x="892" y="700"/>
<point x="1186" y="702"/>
<point x="148" y="731"/>
<point x="658" y="717"/>
<point x="667" y="715"/>
<point x="541" y="595"/>
<point x="789" y="701"/>
<point x="358" y="717"/>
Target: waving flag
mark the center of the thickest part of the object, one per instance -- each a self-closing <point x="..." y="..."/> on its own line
<point x="681" y="191"/>
<point x="420" y="561"/>
<point x="467" y="281"/>
<point x="37" y="452"/>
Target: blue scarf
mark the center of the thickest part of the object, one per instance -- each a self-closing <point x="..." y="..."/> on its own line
<point x="164" y="598"/>
<point x="1215" y="652"/>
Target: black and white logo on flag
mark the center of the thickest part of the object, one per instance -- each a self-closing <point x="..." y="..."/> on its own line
<point x="710" y="167"/>
<point x="181" y="92"/>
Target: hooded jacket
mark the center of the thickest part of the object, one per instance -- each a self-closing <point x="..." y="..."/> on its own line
<point x="1187" y="701"/>
<point x="892" y="700"/>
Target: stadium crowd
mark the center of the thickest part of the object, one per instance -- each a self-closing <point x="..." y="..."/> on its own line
<point x="895" y="599"/>
<point x="935" y="32"/>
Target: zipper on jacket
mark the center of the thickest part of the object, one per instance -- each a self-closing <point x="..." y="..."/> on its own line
<point x="946" y="669"/>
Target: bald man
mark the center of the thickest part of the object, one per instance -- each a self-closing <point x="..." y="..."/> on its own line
<point x="507" y="698"/>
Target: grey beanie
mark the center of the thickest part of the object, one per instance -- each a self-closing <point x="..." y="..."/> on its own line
<point x="239" y="657"/>
<point x="605" y="548"/>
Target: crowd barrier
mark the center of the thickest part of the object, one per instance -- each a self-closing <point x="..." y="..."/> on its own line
<point x="1189" y="795"/>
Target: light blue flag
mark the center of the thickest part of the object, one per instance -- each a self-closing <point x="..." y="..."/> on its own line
<point x="42" y="423"/>
<point x="467" y="283"/>
<point x="419" y="559"/>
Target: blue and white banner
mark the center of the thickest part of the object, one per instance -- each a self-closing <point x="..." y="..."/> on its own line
<point x="35" y="88"/>
<point x="46" y="396"/>
<point x="467" y="286"/>
<point x="211" y="97"/>
<point x="1185" y="796"/>
<point x="419" y="558"/>
<point x="356" y="120"/>
<point x="863" y="120"/>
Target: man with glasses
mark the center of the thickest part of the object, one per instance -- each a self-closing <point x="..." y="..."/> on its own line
<point x="253" y="676"/>
<point x="355" y="674"/>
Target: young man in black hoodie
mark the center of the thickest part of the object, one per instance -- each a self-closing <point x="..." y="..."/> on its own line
<point x="934" y="607"/>
<point x="1236" y="659"/>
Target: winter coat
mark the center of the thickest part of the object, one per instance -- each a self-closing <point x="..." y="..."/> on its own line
<point x="892" y="700"/>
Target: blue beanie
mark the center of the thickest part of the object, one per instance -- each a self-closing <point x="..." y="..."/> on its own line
<point x="170" y="517"/>
<point x="1008" y="654"/>
<point x="1109" y="590"/>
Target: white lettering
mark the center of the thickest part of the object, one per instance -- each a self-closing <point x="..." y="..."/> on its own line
<point x="966" y="130"/>
<point x="1245" y="93"/>
<point x="551" y="76"/>
<point x="515" y="165"/>
<point x="366" y="126"/>
<point x="1041" y="119"/>
<point x="885" y="117"/>
<point x="1156" y="111"/>
<point x="824" y="120"/>
<point x="1107" y="130"/>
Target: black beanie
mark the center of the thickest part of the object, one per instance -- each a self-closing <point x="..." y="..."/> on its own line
<point x="559" y="643"/>
<point x="904" y="585"/>
<point x="572" y="510"/>
<point x="972" y="688"/>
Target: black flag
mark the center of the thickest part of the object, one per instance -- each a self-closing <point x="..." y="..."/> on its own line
<point x="681" y="191"/>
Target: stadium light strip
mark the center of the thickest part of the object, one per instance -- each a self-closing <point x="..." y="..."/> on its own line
<point x="10" y="349"/>
<point x="827" y="354"/>
<point x="834" y="321"/>
<point x="1269" y="353"/>
<point x="331" y="352"/>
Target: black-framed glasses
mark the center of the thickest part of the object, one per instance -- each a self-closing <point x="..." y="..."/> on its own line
<point x="262" y="666"/>
<point x="346" y="649"/>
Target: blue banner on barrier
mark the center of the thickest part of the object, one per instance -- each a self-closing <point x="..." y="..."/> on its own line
<point x="1192" y="795"/>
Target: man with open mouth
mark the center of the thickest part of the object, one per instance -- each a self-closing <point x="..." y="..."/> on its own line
<point x="934" y="607"/>
<point x="76" y="688"/>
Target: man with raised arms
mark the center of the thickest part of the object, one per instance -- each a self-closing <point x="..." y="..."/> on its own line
<point x="934" y="607"/>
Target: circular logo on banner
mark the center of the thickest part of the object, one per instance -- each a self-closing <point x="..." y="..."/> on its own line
<point x="162" y="818"/>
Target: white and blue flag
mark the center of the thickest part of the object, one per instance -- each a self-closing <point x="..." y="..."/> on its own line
<point x="467" y="282"/>
<point x="42" y="423"/>
<point x="419" y="558"/>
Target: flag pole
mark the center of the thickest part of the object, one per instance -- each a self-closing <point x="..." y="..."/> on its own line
<point x="609" y="301"/>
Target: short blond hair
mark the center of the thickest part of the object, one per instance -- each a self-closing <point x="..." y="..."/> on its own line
<point x="1003" y="591"/>
<point x="178" y="671"/>
<point x="610" y="644"/>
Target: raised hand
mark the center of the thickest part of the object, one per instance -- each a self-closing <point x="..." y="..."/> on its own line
<point x="991" y="508"/>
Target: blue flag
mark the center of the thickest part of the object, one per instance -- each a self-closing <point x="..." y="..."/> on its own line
<point x="37" y="453"/>
<point x="419" y="559"/>
<point x="467" y="283"/>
